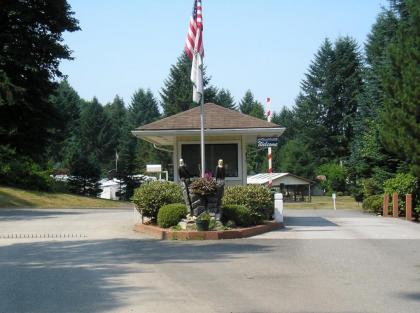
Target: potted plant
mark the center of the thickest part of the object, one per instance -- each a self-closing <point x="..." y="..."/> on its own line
<point x="203" y="221"/>
<point x="204" y="186"/>
<point x="206" y="189"/>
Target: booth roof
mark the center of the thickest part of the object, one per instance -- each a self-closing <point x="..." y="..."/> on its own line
<point x="216" y="117"/>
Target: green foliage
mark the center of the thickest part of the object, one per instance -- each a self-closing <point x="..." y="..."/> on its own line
<point x="250" y="106"/>
<point x="67" y="103"/>
<point x="336" y="177"/>
<point x="241" y="215"/>
<point x="84" y="175"/>
<point x="225" y="99"/>
<point x="32" y="47"/>
<point x="373" y="204"/>
<point x="204" y="186"/>
<point x="256" y="198"/>
<point x="170" y="214"/>
<point x="20" y="171"/>
<point x="400" y="130"/>
<point x="150" y="197"/>
<point x="401" y="184"/>
<point x="205" y="216"/>
<point x="295" y="157"/>
<point x="177" y="91"/>
<point x="96" y="132"/>
<point x="325" y="109"/>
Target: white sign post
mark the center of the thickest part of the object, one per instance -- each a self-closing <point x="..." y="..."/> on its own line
<point x="334" y="196"/>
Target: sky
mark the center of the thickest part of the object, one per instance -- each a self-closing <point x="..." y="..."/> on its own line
<point x="265" y="46"/>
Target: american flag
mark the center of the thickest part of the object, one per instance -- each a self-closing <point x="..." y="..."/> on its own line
<point x="194" y="42"/>
<point x="195" y="51"/>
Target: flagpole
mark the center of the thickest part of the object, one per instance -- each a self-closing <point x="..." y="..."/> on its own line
<point x="202" y="143"/>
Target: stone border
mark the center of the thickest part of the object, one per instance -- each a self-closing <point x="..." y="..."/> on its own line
<point x="167" y="234"/>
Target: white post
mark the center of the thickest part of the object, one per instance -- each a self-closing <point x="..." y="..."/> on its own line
<point x="334" y="196"/>
<point x="278" y="207"/>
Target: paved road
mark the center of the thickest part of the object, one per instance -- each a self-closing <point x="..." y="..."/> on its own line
<point x="112" y="269"/>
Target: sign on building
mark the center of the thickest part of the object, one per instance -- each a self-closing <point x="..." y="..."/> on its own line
<point x="265" y="142"/>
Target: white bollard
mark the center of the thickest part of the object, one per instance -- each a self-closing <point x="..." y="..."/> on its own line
<point x="278" y="207"/>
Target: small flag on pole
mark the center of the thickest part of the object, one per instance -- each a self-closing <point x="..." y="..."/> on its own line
<point x="195" y="50"/>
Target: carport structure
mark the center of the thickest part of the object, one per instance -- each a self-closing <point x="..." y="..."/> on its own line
<point x="293" y="188"/>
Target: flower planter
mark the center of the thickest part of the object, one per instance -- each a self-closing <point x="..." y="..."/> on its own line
<point x="202" y="225"/>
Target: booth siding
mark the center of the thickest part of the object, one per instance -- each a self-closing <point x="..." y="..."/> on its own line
<point x="227" y="133"/>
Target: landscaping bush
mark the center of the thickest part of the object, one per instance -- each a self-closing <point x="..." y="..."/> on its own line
<point x="241" y="215"/>
<point x="373" y="204"/>
<point x="402" y="184"/>
<point x="255" y="197"/>
<point x="170" y="214"/>
<point x="151" y="196"/>
<point x="22" y="172"/>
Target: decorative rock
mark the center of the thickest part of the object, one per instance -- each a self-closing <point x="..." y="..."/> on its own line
<point x="183" y="225"/>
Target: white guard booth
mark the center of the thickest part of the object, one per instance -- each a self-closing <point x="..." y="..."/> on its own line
<point x="227" y="133"/>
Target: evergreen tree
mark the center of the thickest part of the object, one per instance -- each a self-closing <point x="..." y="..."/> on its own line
<point x="66" y="102"/>
<point x="370" y="164"/>
<point x="326" y="106"/>
<point x="225" y="99"/>
<point x="256" y="158"/>
<point x="177" y="91"/>
<point x="210" y="94"/>
<point x="400" y="78"/>
<point x="250" y="106"/>
<point x="117" y="115"/>
<point x="285" y="118"/>
<point x="84" y="175"/>
<point x="32" y="47"/>
<point x="95" y="135"/>
<point x="135" y="154"/>
<point x="143" y="108"/>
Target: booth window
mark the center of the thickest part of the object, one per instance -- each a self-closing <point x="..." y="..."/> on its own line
<point x="228" y="152"/>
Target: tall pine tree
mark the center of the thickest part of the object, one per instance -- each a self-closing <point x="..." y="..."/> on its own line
<point x="400" y="78"/>
<point x="177" y="91"/>
<point x="225" y="99"/>
<point x="31" y="49"/>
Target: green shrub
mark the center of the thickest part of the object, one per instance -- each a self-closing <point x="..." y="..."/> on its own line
<point x="255" y="197"/>
<point x="170" y="214"/>
<point x="373" y="204"/>
<point x="241" y="215"/>
<point x="402" y="184"/>
<point x="150" y="197"/>
<point x="20" y="171"/>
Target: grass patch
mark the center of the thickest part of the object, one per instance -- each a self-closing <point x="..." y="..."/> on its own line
<point x="323" y="202"/>
<point x="19" y="198"/>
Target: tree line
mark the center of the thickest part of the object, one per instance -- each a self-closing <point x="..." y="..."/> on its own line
<point x="354" y="122"/>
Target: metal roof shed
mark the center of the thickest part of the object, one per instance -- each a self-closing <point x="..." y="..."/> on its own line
<point x="291" y="185"/>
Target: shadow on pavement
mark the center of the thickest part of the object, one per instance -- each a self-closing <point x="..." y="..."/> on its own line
<point x="310" y="221"/>
<point x="22" y="214"/>
<point x="85" y="276"/>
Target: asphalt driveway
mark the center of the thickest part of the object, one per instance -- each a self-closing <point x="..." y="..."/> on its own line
<point x="322" y="262"/>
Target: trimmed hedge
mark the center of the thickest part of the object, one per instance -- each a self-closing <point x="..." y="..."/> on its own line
<point x="255" y="197"/>
<point x="374" y="204"/>
<point x="241" y="215"/>
<point x="170" y="214"/>
<point x="151" y="196"/>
